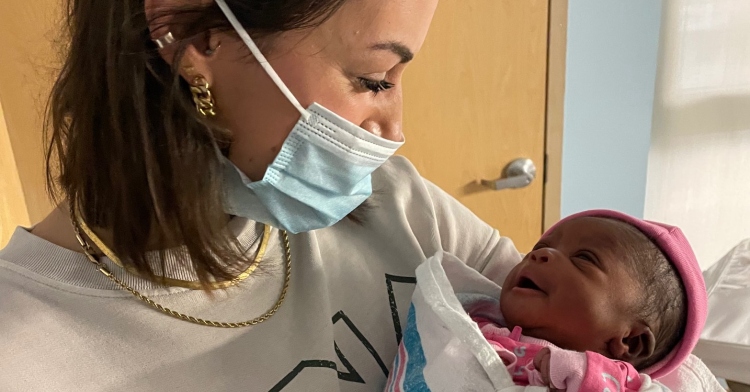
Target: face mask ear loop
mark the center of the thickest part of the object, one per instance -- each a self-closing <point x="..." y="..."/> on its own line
<point x="262" y="59"/>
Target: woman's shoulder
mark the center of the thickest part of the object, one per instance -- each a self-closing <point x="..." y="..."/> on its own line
<point x="398" y="181"/>
<point x="33" y="266"/>
<point x="400" y="192"/>
<point x="399" y="178"/>
<point x="397" y="169"/>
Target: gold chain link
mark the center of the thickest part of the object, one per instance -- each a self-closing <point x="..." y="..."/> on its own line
<point x="202" y="97"/>
<point x="101" y="267"/>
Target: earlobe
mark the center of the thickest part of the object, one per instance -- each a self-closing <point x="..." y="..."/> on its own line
<point x="194" y="63"/>
<point x="198" y="55"/>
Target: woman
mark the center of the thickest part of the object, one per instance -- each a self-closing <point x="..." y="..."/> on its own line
<point x="227" y="222"/>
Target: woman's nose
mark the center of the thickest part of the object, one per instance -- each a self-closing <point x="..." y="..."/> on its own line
<point x="387" y="129"/>
<point x="386" y="118"/>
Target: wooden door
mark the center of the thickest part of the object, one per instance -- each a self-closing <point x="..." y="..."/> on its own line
<point x="28" y="65"/>
<point x="475" y="100"/>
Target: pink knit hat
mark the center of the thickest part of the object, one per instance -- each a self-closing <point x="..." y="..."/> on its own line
<point x="676" y="248"/>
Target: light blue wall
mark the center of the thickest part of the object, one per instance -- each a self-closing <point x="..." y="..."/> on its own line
<point x="611" y="71"/>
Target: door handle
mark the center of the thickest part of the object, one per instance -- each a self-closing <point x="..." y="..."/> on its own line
<point x="520" y="173"/>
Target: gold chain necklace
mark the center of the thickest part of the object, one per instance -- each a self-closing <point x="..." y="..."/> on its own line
<point x="165" y="281"/>
<point x="101" y="267"/>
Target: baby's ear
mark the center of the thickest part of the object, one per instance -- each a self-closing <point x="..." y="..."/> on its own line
<point x="635" y="346"/>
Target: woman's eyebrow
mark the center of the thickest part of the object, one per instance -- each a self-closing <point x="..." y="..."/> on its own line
<point x="396" y="48"/>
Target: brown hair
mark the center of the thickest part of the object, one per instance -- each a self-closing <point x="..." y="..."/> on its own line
<point x="126" y="146"/>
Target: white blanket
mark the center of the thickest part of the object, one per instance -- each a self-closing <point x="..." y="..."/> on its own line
<point x="725" y="342"/>
<point x="443" y="349"/>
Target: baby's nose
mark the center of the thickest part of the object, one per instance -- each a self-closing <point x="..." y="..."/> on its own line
<point x="542" y="255"/>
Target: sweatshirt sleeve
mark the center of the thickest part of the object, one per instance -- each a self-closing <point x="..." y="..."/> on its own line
<point x="439" y="222"/>
<point x="589" y="371"/>
<point x="469" y="238"/>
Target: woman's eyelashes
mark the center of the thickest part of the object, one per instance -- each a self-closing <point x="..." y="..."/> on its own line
<point x="376" y="86"/>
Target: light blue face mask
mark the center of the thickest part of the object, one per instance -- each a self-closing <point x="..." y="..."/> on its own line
<point x="322" y="173"/>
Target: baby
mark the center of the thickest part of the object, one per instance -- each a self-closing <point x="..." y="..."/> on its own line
<point x="604" y="301"/>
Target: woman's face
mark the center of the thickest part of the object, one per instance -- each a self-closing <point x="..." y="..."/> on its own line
<point x="341" y="64"/>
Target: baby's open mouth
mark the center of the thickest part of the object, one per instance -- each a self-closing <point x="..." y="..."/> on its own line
<point x="526" y="283"/>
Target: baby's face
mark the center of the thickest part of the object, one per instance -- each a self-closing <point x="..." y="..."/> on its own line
<point x="574" y="289"/>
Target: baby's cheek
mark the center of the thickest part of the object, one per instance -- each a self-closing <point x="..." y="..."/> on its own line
<point x="590" y="316"/>
<point x="602" y="317"/>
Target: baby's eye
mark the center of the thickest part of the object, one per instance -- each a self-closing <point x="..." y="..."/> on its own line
<point x="586" y="256"/>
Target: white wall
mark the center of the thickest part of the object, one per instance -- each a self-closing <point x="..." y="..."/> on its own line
<point x="699" y="163"/>
<point x="611" y="71"/>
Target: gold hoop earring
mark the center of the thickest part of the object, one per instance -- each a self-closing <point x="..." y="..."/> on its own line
<point x="204" y="101"/>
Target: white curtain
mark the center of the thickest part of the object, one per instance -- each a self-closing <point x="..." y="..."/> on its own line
<point x="699" y="163"/>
